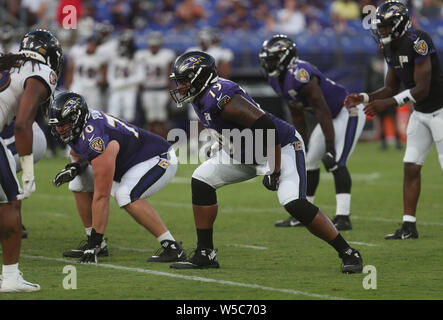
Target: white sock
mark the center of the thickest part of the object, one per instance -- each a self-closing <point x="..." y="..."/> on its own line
<point x="310" y="198"/>
<point x="88" y="231"/>
<point x="9" y="270"/>
<point x="409" y="218"/>
<point x="165" y="236"/>
<point x="343" y="204"/>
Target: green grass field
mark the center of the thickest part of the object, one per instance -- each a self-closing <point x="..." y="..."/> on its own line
<point x="257" y="260"/>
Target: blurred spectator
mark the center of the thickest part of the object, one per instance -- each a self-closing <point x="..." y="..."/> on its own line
<point x="288" y="20"/>
<point x="235" y="16"/>
<point x="342" y="11"/>
<point x="188" y="13"/>
<point x="122" y="14"/>
<point x="164" y="13"/>
<point x="8" y="39"/>
<point x="35" y="11"/>
<point x="430" y="9"/>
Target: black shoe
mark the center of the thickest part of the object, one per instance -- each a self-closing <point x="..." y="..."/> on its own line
<point x="407" y="231"/>
<point x="342" y="223"/>
<point x="170" y="251"/>
<point x="202" y="259"/>
<point x="83" y="245"/>
<point x="290" y="222"/>
<point x="24" y="232"/>
<point x="352" y="261"/>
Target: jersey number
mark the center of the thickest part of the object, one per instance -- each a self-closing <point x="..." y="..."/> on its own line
<point x="113" y="122"/>
<point x="5" y="80"/>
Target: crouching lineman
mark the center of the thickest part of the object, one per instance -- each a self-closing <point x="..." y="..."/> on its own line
<point x="27" y="80"/>
<point x="140" y="162"/>
<point x="223" y="105"/>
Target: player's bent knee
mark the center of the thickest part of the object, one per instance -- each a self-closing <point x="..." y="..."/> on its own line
<point x="202" y="193"/>
<point x="302" y="210"/>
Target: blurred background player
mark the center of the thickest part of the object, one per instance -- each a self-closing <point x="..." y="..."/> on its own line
<point x="334" y="138"/>
<point x="123" y="78"/>
<point x="86" y="72"/>
<point x="8" y="43"/>
<point x="156" y="63"/>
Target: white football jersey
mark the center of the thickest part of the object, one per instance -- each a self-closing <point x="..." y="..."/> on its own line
<point x="12" y="85"/>
<point x="123" y="73"/>
<point x="86" y="67"/>
<point x="156" y="67"/>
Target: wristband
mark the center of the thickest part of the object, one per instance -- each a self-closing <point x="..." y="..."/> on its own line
<point x="365" y="97"/>
<point x="27" y="163"/>
<point x="404" y="97"/>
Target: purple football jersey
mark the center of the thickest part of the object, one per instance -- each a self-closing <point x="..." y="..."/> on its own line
<point x="136" y="145"/>
<point x="301" y="72"/>
<point x="220" y="93"/>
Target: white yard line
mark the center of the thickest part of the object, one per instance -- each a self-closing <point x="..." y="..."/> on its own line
<point x="193" y="278"/>
<point x="249" y="246"/>
<point x="363" y="243"/>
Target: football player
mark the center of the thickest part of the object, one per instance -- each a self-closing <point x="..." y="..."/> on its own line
<point x="27" y="81"/>
<point x="38" y="149"/>
<point x="124" y="78"/>
<point x="156" y="62"/>
<point x="413" y="62"/>
<point x="107" y="149"/>
<point x="334" y="138"/>
<point x="222" y="105"/>
<point x="87" y="71"/>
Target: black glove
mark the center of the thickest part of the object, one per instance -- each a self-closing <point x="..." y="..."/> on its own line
<point x="271" y="181"/>
<point x="329" y="157"/>
<point x="68" y="173"/>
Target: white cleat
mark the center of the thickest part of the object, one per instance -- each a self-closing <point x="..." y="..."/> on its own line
<point x="17" y="284"/>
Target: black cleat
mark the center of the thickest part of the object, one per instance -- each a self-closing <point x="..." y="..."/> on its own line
<point x="352" y="261"/>
<point x="24" y="232"/>
<point x="202" y="259"/>
<point x="170" y="251"/>
<point x="290" y="222"/>
<point x="407" y="231"/>
<point x="78" y="253"/>
<point x="342" y="223"/>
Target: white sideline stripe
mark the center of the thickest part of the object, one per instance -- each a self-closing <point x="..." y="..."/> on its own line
<point x="276" y="209"/>
<point x="249" y="246"/>
<point x="363" y="243"/>
<point x="194" y="278"/>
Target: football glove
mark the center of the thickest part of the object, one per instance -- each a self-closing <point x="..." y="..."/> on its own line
<point x="271" y="181"/>
<point x="329" y="158"/>
<point x="71" y="170"/>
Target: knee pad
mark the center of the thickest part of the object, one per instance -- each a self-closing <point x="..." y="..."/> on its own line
<point x="202" y="193"/>
<point x="342" y="180"/>
<point x="313" y="177"/>
<point x="302" y="210"/>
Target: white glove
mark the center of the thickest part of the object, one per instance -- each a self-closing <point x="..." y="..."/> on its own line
<point x="28" y="181"/>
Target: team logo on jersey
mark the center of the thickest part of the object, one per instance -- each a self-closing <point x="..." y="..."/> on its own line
<point x="97" y="145"/>
<point x="298" y="145"/>
<point x="421" y="47"/>
<point x="223" y="101"/>
<point x="302" y="75"/>
<point x="207" y="117"/>
<point x="52" y="78"/>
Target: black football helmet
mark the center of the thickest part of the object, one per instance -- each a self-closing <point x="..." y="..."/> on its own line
<point x="41" y="45"/>
<point x="276" y="54"/>
<point x="193" y="71"/>
<point x="126" y="44"/>
<point x="392" y="14"/>
<point x="68" y="107"/>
